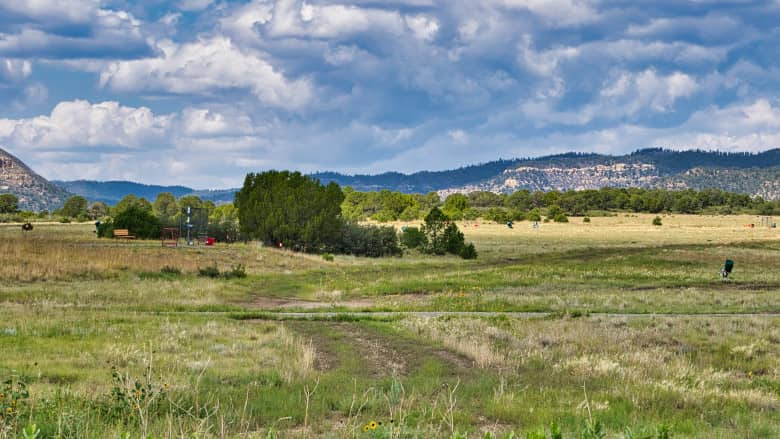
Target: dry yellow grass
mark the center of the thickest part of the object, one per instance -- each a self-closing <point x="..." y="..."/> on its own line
<point x="63" y="252"/>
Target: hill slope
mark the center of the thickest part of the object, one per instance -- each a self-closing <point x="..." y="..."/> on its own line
<point x="34" y="192"/>
<point x="110" y="192"/>
<point x="755" y="174"/>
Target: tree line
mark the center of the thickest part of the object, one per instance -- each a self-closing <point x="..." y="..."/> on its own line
<point x="386" y="205"/>
<point x="291" y="210"/>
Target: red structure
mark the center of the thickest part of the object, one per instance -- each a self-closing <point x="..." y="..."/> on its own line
<point x="169" y="237"/>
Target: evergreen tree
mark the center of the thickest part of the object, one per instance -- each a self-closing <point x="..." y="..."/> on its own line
<point x="290" y="208"/>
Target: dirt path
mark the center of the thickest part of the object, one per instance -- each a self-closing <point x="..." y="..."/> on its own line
<point x="373" y="352"/>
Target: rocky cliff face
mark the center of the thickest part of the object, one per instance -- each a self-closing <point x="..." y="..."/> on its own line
<point x="34" y="192"/>
<point x="567" y="178"/>
<point x="763" y="182"/>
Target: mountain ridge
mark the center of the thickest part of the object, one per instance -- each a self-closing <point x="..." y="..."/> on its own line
<point x="756" y="174"/>
<point x="33" y="191"/>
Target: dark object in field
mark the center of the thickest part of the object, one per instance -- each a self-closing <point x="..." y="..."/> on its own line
<point x="727" y="267"/>
<point x="509" y="224"/>
<point x="27" y="227"/>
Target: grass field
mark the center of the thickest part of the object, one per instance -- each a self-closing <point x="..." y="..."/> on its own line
<point x="82" y="320"/>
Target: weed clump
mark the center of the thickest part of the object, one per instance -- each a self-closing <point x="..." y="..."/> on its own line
<point x="657" y="221"/>
<point x="210" y="271"/>
<point x="235" y="272"/>
<point x="170" y="270"/>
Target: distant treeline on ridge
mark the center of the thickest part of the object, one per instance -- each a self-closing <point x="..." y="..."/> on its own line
<point x="385" y="205"/>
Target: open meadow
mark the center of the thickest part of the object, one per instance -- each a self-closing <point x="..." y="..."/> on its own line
<point x="614" y="328"/>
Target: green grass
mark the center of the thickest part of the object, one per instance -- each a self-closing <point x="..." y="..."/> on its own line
<point x="73" y="307"/>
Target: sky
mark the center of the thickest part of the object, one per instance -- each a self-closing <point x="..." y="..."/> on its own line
<point x="200" y="92"/>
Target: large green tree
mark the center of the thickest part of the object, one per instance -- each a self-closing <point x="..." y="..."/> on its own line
<point x="8" y="203"/>
<point x="74" y="207"/>
<point x="165" y="208"/>
<point x="128" y="201"/>
<point x="291" y="208"/>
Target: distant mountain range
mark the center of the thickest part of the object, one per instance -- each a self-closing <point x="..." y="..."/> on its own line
<point x="110" y="192"/>
<point x="755" y="174"/>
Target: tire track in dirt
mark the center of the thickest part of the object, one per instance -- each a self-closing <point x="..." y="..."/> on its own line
<point x="373" y="352"/>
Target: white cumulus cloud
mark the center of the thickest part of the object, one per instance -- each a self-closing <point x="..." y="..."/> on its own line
<point x="207" y="66"/>
<point x="80" y="123"/>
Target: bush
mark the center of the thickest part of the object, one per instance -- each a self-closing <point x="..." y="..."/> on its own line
<point x="442" y="235"/>
<point x="139" y="222"/>
<point x="327" y="257"/>
<point x="560" y="218"/>
<point x="454" y="241"/>
<point x="372" y="241"/>
<point x="534" y="215"/>
<point x="497" y="214"/>
<point x="657" y="221"/>
<point x="412" y="237"/>
<point x="211" y="271"/>
<point x="586" y="219"/>
<point x="236" y="271"/>
<point x="105" y="228"/>
<point x="170" y="270"/>
<point x="468" y="251"/>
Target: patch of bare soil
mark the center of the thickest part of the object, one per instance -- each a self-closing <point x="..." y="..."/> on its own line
<point x="460" y="362"/>
<point x="326" y="357"/>
<point x="275" y="303"/>
<point x="380" y="354"/>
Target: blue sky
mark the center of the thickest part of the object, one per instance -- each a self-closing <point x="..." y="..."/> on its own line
<point x="199" y="92"/>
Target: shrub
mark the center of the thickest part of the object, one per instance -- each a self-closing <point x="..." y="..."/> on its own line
<point x="497" y="214"/>
<point x="211" y="271"/>
<point x="454" y="241"/>
<point x="372" y="241"/>
<point x="442" y="235"/>
<point x="65" y="220"/>
<point x="586" y="219"/>
<point x="236" y="272"/>
<point x="560" y="218"/>
<point x="534" y="215"/>
<point x="412" y="237"/>
<point x="105" y="228"/>
<point x="657" y="221"/>
<point x="139" y="222"/>
<point x="170" y="270"/>
<point x="327" y="257"/>
<point x="468" y="251"/>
